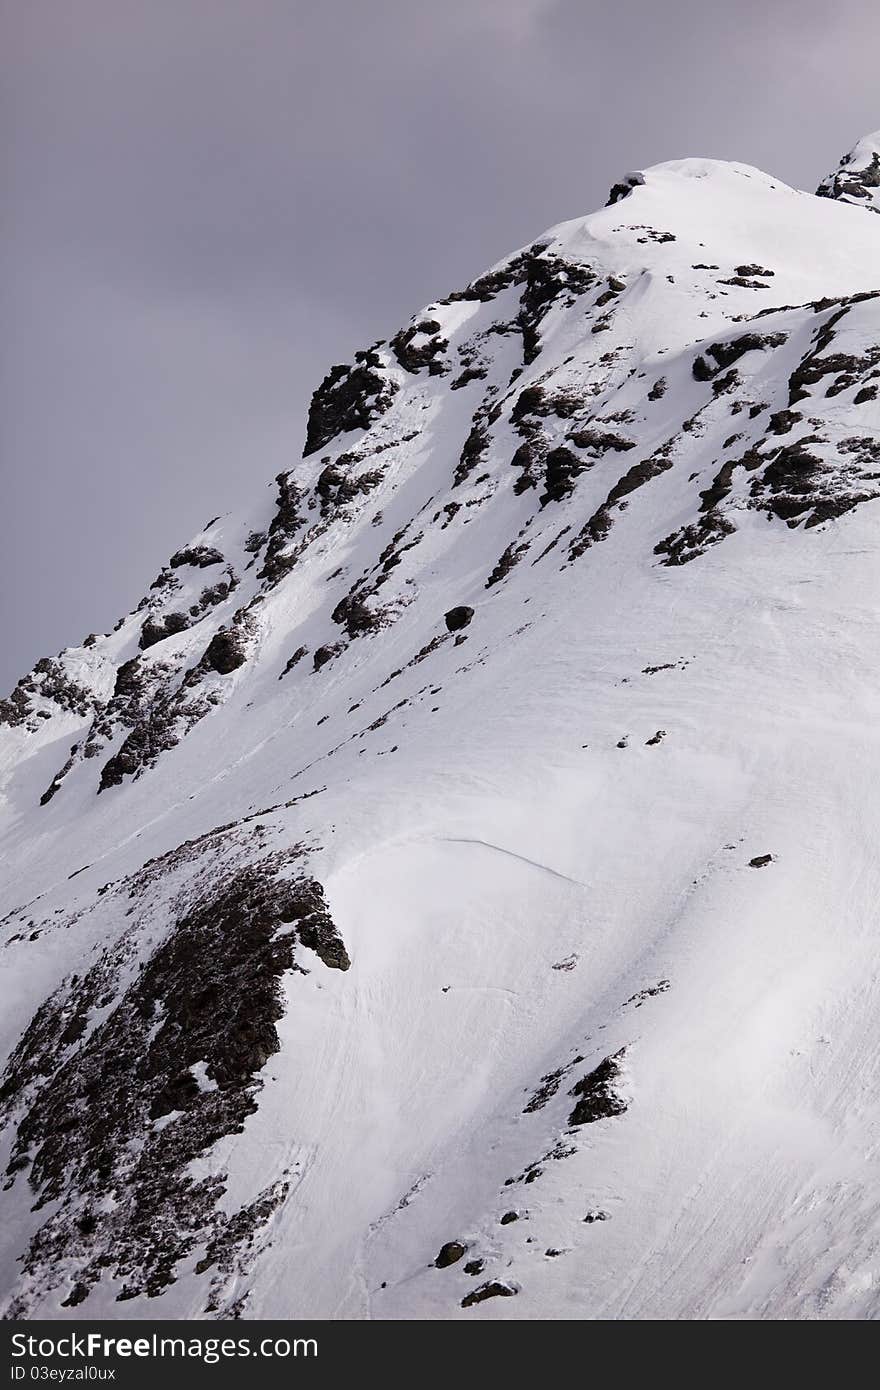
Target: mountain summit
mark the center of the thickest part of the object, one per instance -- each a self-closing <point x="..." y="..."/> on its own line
<point x="451" y="892"/>
<point x="857" y="180"/>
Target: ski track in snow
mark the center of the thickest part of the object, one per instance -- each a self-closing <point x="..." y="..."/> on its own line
<point x="499" y="849"/>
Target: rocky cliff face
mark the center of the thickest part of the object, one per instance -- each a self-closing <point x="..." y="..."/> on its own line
<point x="460" y="849"/>
<point x="857" y="180"/>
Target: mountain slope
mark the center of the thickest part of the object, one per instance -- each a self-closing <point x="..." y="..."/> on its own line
<point x="475" y="845"/>
<point x="857" y="180"/>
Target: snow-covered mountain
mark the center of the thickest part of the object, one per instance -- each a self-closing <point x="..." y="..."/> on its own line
<point x="857" y="180"/>
<point x="452" y="892"/>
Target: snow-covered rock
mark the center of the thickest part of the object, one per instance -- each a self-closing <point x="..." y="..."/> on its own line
<point x="475" y="845"/>
<point x="857" y="180"/>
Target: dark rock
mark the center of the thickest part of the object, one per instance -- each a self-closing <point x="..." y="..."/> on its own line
<point x="157" y="629"/>
<point x="744" y="282"/>
<point x="727" y="383"/>
<point x="208" y="993"/>
<point x="473" y="449"/>
<point x="597" y="1098"/>
<point x="327" y="653"/>
<point x="508" y="1217"/>
<point x="155" y="734"/>
<point x="652" y="234"/>
<point x="475" y="1267"/>
<point x="624" y="188"/>
<point x="429" y="354"/>
<point x="851" y="184"/>
<point x="212" y="595"/>
<point x="511" y="557"/>
<point x="562" y="468"/>
<point x="534" y="403"/>
<point x="294" y="660"/>
<point x="353" y="613"/>
<point x="338" y="485"/>
<point x="550" y="1081"/>
<point x="16" y="709"/>
<point x="685" y="545"/>
<point x="641" y="995"/>
<point x="783" y="421"/>
<point x="468" y="375"/>
<point x="487" y="287"/>
<point x="800" y="485"/>
<point x="726" y="353"/>
<point x="450" y="1253"/>
<point x="78" y="1294"/>
<point x="495" y="1288"/>
<point x="760" y="861"/>
<point x="129" y="679"/>
<point x="530" y="401"/>
<point x="159" y="710"/>
<point x="288" y="519"/>
<point x="527" y="456"/>
<point x="349" y="398"/>
<point x="549" y="280"/>
<point x="315" y="928"/>
<point x="199" y="555"/>
<point x="165" y="579"/>
<point x="226" y="651"/>
<point x="458" y="618"/>
<point x="752" y="270"/>
<point x="600" y="441"/>
<point x="55" y="784"/>
<point x="818" y="364"/>
<point x="49" y="678"/>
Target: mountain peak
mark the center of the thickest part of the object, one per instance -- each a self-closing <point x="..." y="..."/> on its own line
<point x="857" y="178"/>
<point x="477" y="835"/>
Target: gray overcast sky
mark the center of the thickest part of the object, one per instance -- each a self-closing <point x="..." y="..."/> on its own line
<point x="209" y="201"/>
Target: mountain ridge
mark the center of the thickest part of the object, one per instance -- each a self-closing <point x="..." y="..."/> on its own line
<point x="655" y="424"/>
